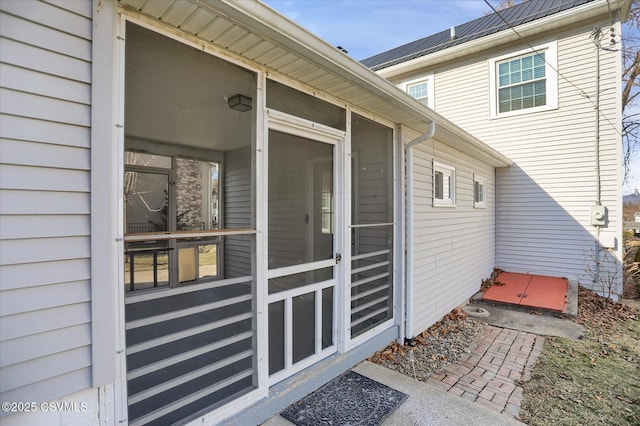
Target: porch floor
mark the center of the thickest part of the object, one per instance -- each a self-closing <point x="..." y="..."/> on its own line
<point x="533" y="291"/>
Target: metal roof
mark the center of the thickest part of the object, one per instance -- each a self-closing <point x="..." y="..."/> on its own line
<point x="522" y="13"/>
<point x="258" y="35"/>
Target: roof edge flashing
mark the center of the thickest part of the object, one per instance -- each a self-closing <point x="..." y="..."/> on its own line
<point x="585" y="12"/>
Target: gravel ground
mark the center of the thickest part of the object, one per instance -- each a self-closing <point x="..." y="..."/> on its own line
<point x="442" y="344"/>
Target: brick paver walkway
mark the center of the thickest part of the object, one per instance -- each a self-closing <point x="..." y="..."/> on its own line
<point x="490" y="375"/>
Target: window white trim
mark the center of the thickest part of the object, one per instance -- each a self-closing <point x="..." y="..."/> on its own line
<point x="479" y="192"/>
<point x="551" y="76"/>
<point x="428" y="78"/>
<point x="444" y="185"/>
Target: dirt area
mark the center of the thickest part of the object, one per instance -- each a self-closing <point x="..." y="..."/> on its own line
<point x="443" y="343"/>
<point x="632" y="303"/>
<point x="631" y="290"/>
<point x="594" y="381"/>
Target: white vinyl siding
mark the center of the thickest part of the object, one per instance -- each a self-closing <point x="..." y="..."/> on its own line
<point x="543" y="200"/>
<point x="453" y="249"/>
<point x="45" y="309"/>
<point x="237" y="212"/>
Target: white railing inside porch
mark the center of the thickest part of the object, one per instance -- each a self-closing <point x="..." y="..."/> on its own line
<point x="189" y="348"/>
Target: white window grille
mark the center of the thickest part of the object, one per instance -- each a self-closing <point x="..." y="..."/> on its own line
<point x="524" y="81"/>
<point x="421" y="89"/>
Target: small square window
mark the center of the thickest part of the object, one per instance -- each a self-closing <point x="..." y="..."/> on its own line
<point x="479" y="192"/>
<point x="419" y="91"/>
<point x="444" y="185"/>
<point x="420" y="88"/>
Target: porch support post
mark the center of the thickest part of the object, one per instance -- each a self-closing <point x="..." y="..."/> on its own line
<point x="106" y="233"/>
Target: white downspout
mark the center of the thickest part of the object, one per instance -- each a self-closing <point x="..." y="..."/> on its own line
<point x="409" y="227"/>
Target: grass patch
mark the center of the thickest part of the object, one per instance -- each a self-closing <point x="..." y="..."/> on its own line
<point x="593" y="381"/>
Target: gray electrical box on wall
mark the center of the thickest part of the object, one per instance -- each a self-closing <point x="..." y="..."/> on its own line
<point x="598" y="215"/>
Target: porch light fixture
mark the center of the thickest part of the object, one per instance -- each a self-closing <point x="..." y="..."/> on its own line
<point x="239" y="102"/>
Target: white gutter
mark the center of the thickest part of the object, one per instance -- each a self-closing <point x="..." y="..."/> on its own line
<point x="431" y="130"/>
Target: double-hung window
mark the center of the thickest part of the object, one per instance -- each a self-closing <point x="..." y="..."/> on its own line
<point x="524" y="82"/>
<point x="421" y="89"/>
<point x="444" y="185"/>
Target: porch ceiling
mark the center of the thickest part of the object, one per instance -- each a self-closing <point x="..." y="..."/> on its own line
<point x="258" y="34"/>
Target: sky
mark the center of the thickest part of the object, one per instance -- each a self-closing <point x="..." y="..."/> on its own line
<point x="368" y="27"/>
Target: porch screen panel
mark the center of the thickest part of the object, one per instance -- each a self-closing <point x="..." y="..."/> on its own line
<point x="301" y="233"/>
<point x="291" y="101"/>
<point x="191" y="342"/>
<point x="188" y="351"/>
<point x="372" y="225"/>
<point x="296" y="168"/>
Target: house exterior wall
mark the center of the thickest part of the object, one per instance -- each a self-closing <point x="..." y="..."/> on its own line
<point x="453" y="247"/>
<point x="62" y="325"/>
<point x="45" y="106"/>
<point x="544" y="199"/>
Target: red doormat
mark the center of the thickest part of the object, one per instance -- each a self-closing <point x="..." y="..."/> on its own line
<point x="535" y="291"/>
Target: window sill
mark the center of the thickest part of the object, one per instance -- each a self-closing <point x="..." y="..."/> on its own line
<point x="525" y="111"/>
<point x="176" y="235"/>
<point x="443" y="205"/>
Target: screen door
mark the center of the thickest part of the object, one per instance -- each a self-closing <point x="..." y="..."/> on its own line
<point x="301" y="251"/>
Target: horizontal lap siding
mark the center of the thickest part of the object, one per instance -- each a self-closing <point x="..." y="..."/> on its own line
<point x="544" y="199"/>
<point x="237" y="211"/>
<point x="453" y="248"/>
<point x="45" y="301"/>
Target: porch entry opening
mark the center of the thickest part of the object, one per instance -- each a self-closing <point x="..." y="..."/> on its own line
<point x="301" y="252"/>
<point x="189" y="231"/>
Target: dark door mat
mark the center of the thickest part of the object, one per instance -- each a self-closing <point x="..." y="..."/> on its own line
<point x="350" y="399"/>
